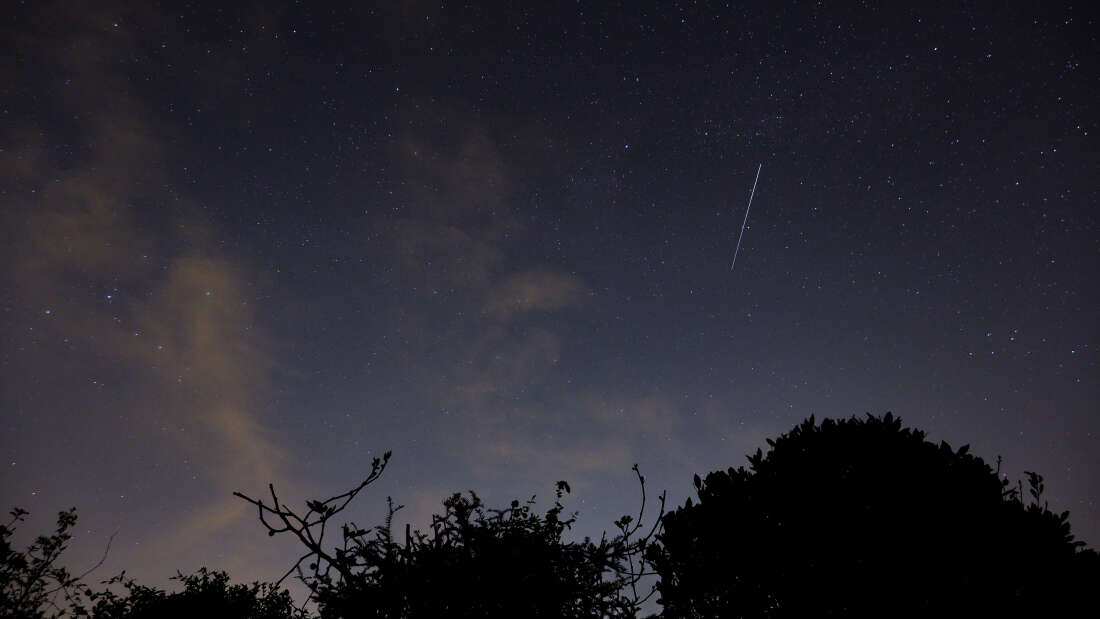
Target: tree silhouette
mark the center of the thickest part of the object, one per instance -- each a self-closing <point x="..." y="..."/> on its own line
<point x="849" y="518"/>
<point x="861" y="517"/>
<point x="33" y="584"/>
<point x="474" y="562"/>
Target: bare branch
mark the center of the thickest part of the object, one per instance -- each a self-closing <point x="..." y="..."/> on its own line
<point x="317" y="515"/>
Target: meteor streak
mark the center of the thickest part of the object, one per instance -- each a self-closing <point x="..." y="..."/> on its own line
<point x="751" y="194"/>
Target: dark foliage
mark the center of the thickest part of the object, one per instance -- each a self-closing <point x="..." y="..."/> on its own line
<point x="32" y="583"/>
<point x="475" y="562"/>
<point x="850" y="518"/>
<point x="860" y="518"/>
<point x="205" y="595"/>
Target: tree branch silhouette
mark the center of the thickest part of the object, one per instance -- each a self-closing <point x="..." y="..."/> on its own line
<point x="316" y="517"/>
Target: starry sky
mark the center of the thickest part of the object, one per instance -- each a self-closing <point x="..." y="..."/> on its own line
<point x="244" y="243"/>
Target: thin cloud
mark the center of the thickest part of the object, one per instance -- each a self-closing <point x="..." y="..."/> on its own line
<point x="113" y="293"/>
<point x="539" y="289"/>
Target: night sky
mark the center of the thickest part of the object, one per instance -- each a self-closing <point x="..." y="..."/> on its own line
<point x="246" y="243"/>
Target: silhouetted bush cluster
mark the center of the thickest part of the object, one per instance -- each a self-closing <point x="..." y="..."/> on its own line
<point x="34" y="586"/>
<point x="850" y="518"/>
<point x="474" y="562"/>
<point x="205" y="595"/>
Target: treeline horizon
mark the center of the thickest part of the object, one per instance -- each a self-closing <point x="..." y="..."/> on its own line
<point x="855" y="517"/>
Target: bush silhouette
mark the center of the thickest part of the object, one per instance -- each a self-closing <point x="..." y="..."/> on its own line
<point x="206" y="595"/>
<point x="861" y="517"/>
<point x="33" y="584"/>
<point x="849" y="518"/>
<point x="478" y="563"/>
<point x="474" y="562"/>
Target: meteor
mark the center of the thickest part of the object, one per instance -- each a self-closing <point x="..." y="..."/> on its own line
<point x="739" y="236"/>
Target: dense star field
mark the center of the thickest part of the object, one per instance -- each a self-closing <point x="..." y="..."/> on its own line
<point x="244" y="243"/>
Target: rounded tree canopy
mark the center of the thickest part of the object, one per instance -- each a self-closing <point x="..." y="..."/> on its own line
<point x="863" y="517"/>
